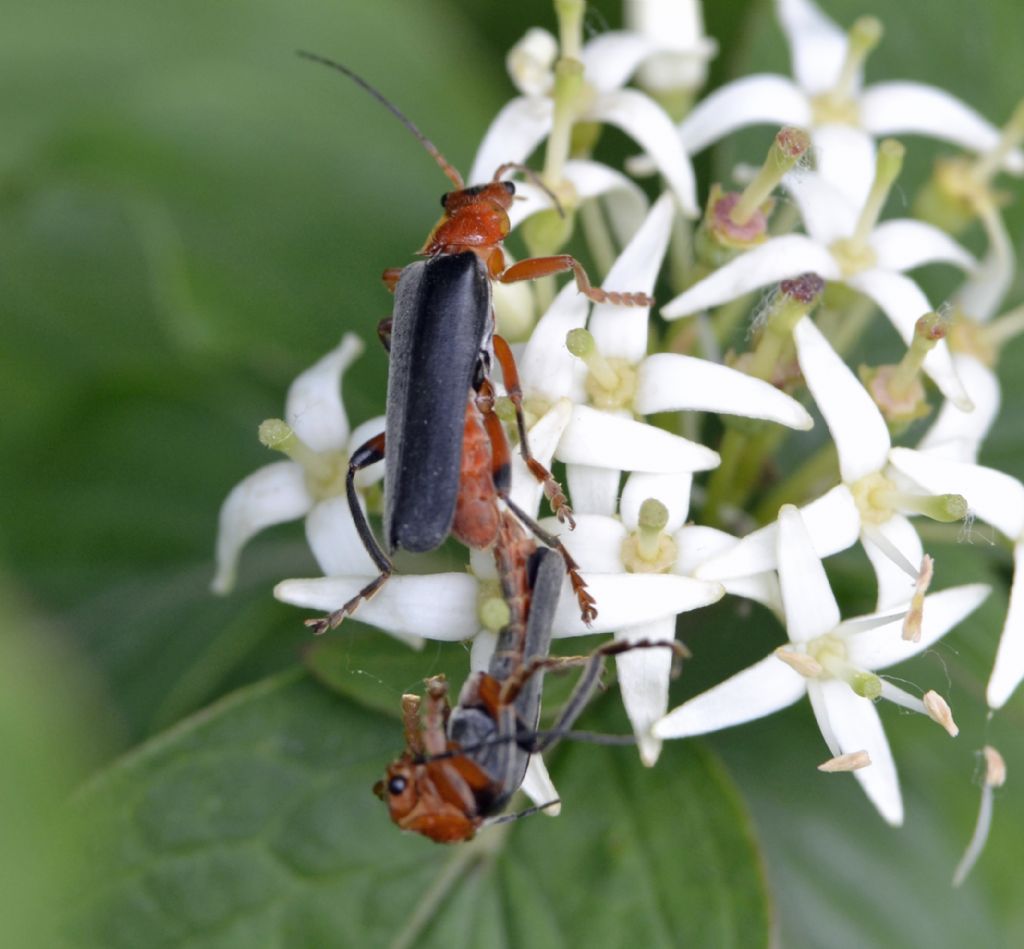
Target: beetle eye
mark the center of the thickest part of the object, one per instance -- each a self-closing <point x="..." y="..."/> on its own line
<point x="510" y="187"/>
<point x="444" y="199"/>
<point x="396" y="785"/>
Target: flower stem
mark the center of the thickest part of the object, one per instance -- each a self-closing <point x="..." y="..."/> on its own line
<point x="887" y="170"/>
<point x="799" y="484"/>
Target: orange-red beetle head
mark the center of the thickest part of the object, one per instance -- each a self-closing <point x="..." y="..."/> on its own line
<point x="416" y="803"/>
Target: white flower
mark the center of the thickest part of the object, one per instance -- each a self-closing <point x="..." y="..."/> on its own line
<point x="974" y="342"/>
<point x="836" y="662"/>
<point x="677" y="27"/>
<point x="867" y="504"/>
<point x="827" y="98"/>
<point x="604" y="435"/>
<point x="608" y="63"/>
<point x="312" y="484"/>
<point x="645" y="550"/>
<point x="998" y="499"/>
<point x="844" y="245"/>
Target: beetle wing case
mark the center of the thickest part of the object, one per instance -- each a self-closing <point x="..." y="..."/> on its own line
<point x="505" y="762"/>
<point x="439" y="328"/>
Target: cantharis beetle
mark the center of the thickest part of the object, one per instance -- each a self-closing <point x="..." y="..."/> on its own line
<point x="461" y="765"/>
<point x="446" y="454"/>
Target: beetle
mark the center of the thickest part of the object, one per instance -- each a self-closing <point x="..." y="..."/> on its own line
<point x="462" y="765"/>
<point x="446" y="455"/>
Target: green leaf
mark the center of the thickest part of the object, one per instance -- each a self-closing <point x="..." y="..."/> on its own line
<point x="252" y="824"/>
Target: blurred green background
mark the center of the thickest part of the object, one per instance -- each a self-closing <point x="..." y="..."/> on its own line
<point x="191" y="216"/>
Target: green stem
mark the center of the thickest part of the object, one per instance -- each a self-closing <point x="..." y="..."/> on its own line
<point x="724" y="476"/>
<point x="798" y="486"/>
<point x="598" y="235"/>
<point x="852" y="325"/>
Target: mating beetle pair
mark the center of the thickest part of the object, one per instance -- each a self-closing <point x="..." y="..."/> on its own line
<point x="448" y="471"/>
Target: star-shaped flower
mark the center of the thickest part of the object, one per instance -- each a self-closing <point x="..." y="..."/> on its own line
<point x="318" y="440"/>
<point x="833" y="663"/>
<point x="845" y="245"/>
<point x="648" y="539"/>
<point x="615" y="384"/>
<point x="998" y="499"/>
<point x="974" y="341"/>
<point x="827" y="97"/>
<point x="608" y="63"/>
<point x="868" y="503"/>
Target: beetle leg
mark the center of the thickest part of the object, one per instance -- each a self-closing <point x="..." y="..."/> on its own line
<point x="364" y="456"/>
<point x="593" y="666"/>
<point x="384" y="332"/>
<point x="552" y="489"/>
<point x="588" y="606"/>
<point x="390" y="278"/>
<point x="411" y="723"/>
<point x="537" y="267"/>
<point x="435" y="719"/>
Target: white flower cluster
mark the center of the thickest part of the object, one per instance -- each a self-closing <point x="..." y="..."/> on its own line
<point x="591" y="381"/>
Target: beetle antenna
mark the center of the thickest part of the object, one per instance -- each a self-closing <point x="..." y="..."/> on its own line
<point x="529" y="812"/>
<point x="534" y="177"/>
<point x="446" y="166"/>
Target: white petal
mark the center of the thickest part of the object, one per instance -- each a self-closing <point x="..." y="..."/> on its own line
<point x="649" y="126"/>
<point x="811" y="609"/>
<point x="623" y="331"/>
<point x="670" y="382"/>
<point x="828" y="214"/>
<point x="763" y="688"/>
<point x="1008" y="669"/>
<point x="335" y="543"/>
<point x="856" y="726"/>
<point x="895" y="586"/>
<point x="361" y="434"/>
<point x="753" y="100"/>
<point x="845" y="157"/>
<point x="884" y="646"/>
<point x="644" y="676"/>
<point x="697" y="544"/>
<point x="997" y="498"/>
<point x="955" y="434"/>
<point x="543" y="437"/>
<point x="903" y="303"/>
<point x="607" y="441"/>
<point x="779" y="258"/>
<point x="538" y="786"/>
<point x="609" y="60"/>
<point x="272" y="494"/>
<point x="546" y="367"/>
<point x="627" y="203"/>
<point x="904" y="244"/>
<point x="630" y="599"/>
<point x="596" y="542"/>
<point x="516" y="131"/>
<point x="893" y="108"/>
<point x="481" y="650"/>
<point x="626" y="199"/>
<point x="314" y="408"/>
<point x="853" y="419"/>
<point x="530" y="62"/>
<point x="593" y="490"/>
<point x="832" y="520"/>
<point x="438" y="606"/>
<point x="673" y="490"/>
<point x="817" y="46"/>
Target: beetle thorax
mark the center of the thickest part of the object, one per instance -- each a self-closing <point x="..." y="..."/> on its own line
<point x="474" y="217"/>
